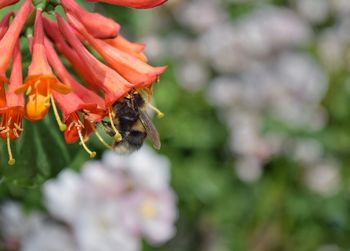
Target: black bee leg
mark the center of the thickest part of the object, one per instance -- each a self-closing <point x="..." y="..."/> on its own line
<point x="107" y="128"/>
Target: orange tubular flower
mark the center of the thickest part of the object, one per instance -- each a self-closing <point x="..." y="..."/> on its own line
<point x="77" y="106"/>
<point x="73" y="111"/>
<point x="134" y="49"/>
<point x="40" y="79"/>
<point x="4" y="24"/>
<point x="131" y="68"/>
<point x="11" y="116"/>
<point x="85" y="94"/>
<point x="5" y="3"/>
<point x="112" y="84"/>
<point x="139" y="4"/>
<point x="8" y="42"/>
<point x="92" y="21"/>
<point x="80" y="107"/>
<point x="55" y="35"/>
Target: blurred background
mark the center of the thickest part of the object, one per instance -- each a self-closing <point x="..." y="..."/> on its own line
<point x="257" y="125"/>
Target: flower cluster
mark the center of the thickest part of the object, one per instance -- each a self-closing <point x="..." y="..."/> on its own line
<point x="110" y="206"/>
<point x="85" y="101"/>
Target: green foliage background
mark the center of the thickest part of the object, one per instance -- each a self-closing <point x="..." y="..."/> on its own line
<point x="215" y="208"/>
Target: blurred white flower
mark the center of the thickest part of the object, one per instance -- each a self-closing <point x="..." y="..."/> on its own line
<point x="117" y="201"/>
<point x="12" y="221"/>
<point x="151" y="214"/>
<point x="341" y="7"/>
<point x="307" y="151"/>
<point x="62" y="195"/>
<point x="200" y="15"/>
<point x="323" y="178"/>
<point x="145" y="168"/>
<point x="225" y="91"/>
<point x="155" y="48"/>
<point x="99" y="227"/>
<point x="248" y="169"/>
<point x="33" y="231"/>
<point x="315" y="11"/>
<point x="192" y="75"/>
<point x="48" y="236"/>
<point x="280" y="28"/>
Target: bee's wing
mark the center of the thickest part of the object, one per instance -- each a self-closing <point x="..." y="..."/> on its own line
<point x="151" y="131"/>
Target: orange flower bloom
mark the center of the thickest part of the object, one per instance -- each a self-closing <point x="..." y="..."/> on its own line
<point x="131" y="68"/>
<point x="134" y="49"/>
<point x="40" y="79"/>
<point x="8" y="42"/>
<point x="139" y="4"/>
<point x="11" y="115"/>
<point x="85" y="94"/>
<point x="4" y="24"/>
<point x="52" y="31"/>
<point x="112" y="84"/>
<point x="5" y="3"/>
<point x="80" y="107"/>
<point x="92" y="21"/>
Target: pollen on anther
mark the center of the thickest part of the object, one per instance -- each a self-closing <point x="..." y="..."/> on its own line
<point x="91" y="153"/>
<point x="11" y="160"/>
<point x="29" y="90"/>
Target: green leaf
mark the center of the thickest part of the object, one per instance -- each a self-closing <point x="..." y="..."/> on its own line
<point x="40" y="153"/>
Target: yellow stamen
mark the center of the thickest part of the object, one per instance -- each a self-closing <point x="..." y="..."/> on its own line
<point x="36" y="84"/>
<point x="29" y="90"/>
<point x="102" y="140"/>
<point x="18" y="127"/>
<point x="117" y="135"/>
<point x="47" y="101"/>
<point x="57" y="116"/>
<point x="70" y="126"/>
<point x="11" y="160"/>
<point x="148" y="209"/>
<point x="91" y="153"/>
<point x="159" y="114"/>
<point x="15" y="132"/>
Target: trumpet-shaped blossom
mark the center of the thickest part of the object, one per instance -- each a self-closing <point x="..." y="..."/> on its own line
<point x="8" y="42"/>
<point x="131" y="68"/>
<point x="92" y="21"/>
<point x="5" y="3"/>
<point x="135" y="49"/>
<point x="78" y="106"/>
<point x="4" y="24"/>
<point x="139" y="4"/>
<point x="114" y="85"/>
<point x="40" y="80"/>
<point x="11" y="115"/>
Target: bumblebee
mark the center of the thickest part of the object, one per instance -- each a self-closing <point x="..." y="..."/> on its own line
<point x="133" y="124"/>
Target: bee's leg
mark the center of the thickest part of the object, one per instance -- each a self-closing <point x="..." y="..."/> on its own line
<point x="107" y="128"/>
